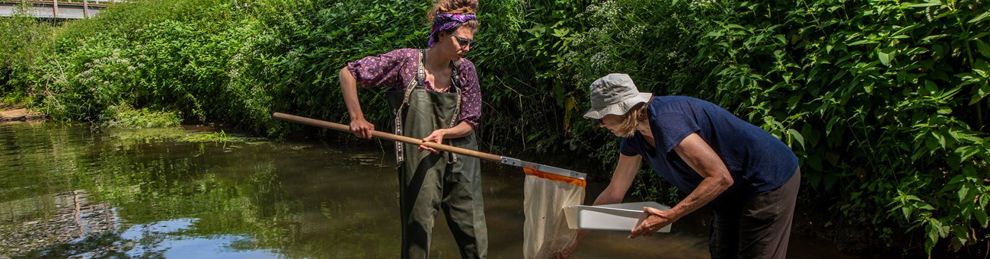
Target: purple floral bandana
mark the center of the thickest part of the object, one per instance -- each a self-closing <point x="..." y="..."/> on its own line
<point x="447" y="22"/>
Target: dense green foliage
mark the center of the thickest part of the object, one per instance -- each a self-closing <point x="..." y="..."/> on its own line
<point x="888" y="98"/>
<point x="19" y="36"/>
<point x="885" y="102"/>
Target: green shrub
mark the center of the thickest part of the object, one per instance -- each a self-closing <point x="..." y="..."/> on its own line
<point x="21" y="38"/>
<point x="884" y="100"/>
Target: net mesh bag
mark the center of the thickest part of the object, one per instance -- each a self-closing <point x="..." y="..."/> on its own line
<point x="546" y="232"/>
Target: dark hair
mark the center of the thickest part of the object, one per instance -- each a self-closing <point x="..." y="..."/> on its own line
<point x="455" y="6"/>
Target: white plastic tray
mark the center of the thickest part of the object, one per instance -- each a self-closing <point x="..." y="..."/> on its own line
<point x="620" y="216"/>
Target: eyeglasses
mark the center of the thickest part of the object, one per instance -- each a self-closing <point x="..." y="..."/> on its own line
<point x="464" y="42"/>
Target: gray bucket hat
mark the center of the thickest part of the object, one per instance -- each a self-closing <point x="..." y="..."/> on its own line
<point x="614" y="94"/>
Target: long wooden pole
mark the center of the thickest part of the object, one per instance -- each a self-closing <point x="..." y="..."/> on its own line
<point x="389" y="136"/>
<point x="457" y="150"/>
<point x="86" y="9"/>
<point x="54" y="9"/>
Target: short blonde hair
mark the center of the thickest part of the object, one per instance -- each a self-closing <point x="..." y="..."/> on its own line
<point x="631" y="120"/>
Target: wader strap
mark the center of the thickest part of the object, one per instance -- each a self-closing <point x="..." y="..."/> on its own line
<point x="420" y="77"/>
<point x="456" y="84"/>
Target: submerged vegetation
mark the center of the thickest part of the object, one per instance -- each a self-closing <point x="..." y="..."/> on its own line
<point x="129" y="136"/>
<point x="123" y="116"/>
<point x="884" y="101"/>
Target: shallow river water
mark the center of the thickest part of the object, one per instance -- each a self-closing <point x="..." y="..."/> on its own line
<point x="71" y="191"/>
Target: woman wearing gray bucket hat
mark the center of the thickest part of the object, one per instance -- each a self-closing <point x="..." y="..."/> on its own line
<point x="748" y="177"/>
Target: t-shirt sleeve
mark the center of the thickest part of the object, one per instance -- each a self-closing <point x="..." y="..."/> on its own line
<point x="674" y="127"/>
<point x="470" y="94"/>
<point x="629" y="147"/>
<point x="380" y="71"/>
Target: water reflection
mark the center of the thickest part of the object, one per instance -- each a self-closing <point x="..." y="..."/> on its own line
<point x="48" y="222"/>
<point x="164" y="193"/>
<point x="165" y="238"/>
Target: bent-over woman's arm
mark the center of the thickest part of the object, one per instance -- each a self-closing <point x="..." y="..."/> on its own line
<point x="622" y="178"/>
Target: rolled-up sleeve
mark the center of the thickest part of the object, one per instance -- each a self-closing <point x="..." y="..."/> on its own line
<point x="470" y="94"/>
<point x="379" y="71"/>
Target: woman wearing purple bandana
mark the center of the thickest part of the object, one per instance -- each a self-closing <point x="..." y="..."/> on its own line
<point x="435" y="96"/>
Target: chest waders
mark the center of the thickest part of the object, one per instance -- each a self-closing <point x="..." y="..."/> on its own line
<point x="430" y="182"/>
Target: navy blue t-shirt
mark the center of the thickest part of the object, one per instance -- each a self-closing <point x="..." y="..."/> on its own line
<point x="758" y="161"/>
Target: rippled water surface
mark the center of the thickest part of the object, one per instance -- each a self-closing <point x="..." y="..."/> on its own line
<point x="70" y="191"/>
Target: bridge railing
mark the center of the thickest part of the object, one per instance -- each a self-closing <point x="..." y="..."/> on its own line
<point x="75" y="8"/>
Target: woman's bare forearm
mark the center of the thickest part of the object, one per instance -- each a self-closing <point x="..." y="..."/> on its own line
<point x="461" y="130"/>
<point x="348" y="86"/>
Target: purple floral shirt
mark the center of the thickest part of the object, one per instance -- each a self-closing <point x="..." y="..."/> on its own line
<point x="397" y="68"/>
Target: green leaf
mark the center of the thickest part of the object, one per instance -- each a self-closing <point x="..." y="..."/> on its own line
<point x="961" y="235"/>
<point x="983" y="48"/>
<point x="861" y="42"/>
<point x="965" y="136"/>
<point x="963" y="192"/>
<point x="934" y="37"/>
<point x="831" y="123"/>
<point x="981" y="68"/>
<point x="884" y="57"/>
<point x="981" y="216"/>
<point x="900" y="33"/>
<point x="980" y="17"/>
<point x="797" y="136"/>
<point x="932" y="232"/>
<point x="943" y="141"/>
<point x="936" y="228"/>
<point x="966" y="152"/>
<point x="909" y="197"/>
<point x="981" y="92"/>
<point x="922" y="5"/>
<point x="906" y="210"/>
<point x="930" y="242"/>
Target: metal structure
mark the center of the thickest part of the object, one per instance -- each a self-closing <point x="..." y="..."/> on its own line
<point x="55" y="9"/>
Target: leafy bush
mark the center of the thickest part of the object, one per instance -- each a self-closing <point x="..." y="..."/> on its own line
<point x="19" y="37"/>
<point x="885" y="101"/>
<point x="183" y="56"/>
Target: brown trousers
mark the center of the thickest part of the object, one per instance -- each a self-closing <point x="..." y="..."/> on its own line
<point x="757" y="226"/>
